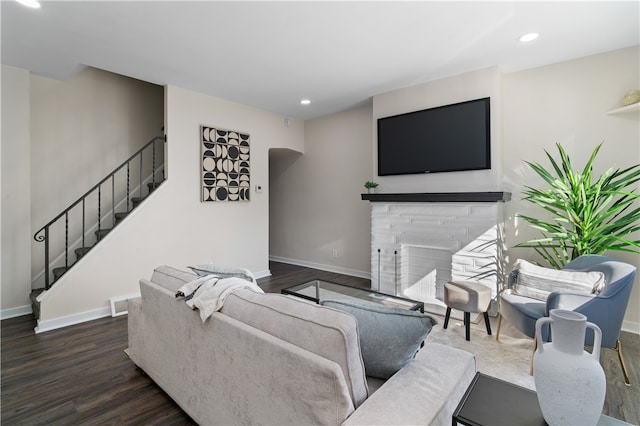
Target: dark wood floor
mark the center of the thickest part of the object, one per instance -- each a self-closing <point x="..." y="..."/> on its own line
<point x="81" y="375"/>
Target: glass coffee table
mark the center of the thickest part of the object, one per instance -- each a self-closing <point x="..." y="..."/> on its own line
<point x="319" y="290"/>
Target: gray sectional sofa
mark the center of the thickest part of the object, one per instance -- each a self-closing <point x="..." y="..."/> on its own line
<point x="273" y="359"/>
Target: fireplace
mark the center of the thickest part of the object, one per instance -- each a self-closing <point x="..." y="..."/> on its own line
<point x="419" y="243"/>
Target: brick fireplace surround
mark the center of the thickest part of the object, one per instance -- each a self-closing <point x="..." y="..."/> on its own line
<point x="419" y="241"/>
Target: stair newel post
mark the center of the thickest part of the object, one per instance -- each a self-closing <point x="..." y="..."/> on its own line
<point x="44" y="238"/>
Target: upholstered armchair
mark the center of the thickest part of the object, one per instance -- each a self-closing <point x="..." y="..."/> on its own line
<point x="605" y="309"/>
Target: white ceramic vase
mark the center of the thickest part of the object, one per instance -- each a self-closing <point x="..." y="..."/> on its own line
<point x="570" y="381"/>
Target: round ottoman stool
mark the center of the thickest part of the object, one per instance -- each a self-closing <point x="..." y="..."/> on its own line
<point x="467" y="296"/>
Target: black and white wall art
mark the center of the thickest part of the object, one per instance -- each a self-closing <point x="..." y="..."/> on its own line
<point x="225" y="164"/>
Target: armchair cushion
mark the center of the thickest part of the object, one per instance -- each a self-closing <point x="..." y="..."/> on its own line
<point x="538" y="283"/>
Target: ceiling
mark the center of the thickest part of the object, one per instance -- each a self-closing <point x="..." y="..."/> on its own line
<point x="337" y="54"/>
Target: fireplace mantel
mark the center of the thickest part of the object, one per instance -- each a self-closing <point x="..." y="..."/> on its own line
<point x="439" y="197"/>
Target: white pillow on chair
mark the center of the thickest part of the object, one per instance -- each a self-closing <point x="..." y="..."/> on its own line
<point x="537" y="282"/>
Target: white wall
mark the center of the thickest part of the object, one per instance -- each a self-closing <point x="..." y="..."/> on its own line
<point x="564" y="102"/>
<point x="174" y="227"/>
<point x="464" y="87"/>
<point x="568" y="103"/>
<point x="315" y="198"/>
<point x="16" y="225"/>
<point x="81" y="129"/>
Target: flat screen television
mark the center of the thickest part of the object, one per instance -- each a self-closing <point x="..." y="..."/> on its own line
<point x="443" y="139"/>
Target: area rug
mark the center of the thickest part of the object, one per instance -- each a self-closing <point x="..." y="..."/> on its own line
<point x="507" y="359"/>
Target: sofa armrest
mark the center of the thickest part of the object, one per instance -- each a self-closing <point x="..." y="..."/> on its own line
<point x="426" y="391"/>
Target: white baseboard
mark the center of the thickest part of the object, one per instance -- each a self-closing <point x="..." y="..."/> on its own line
<point x="322" y="267"/>
<point x="262" y="274"/>
<point x="15" y="312"/>
<point x="631" y="327"/>
<point x="53" y="324"/>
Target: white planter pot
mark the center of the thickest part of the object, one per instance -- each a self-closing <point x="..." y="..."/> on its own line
<point x="570" y="382"/>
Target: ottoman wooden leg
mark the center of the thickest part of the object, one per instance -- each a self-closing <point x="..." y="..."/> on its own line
<point x="487" y="323"/>
<point x="467" y="325"/>
<point x="446" y="318"/>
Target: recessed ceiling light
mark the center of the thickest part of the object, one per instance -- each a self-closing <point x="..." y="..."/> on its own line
<point x="30" y="3"/>
<point x="305" y="102"/>
<point x="529" y="37"/>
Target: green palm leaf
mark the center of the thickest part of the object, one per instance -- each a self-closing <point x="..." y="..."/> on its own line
<point x="586" y="216"/>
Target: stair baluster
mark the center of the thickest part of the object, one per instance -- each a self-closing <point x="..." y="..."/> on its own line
<point x="140" y="191"/>
<point x="128" y="183"/>
<point x="99" y="207"/>
<point x="83" y="221"/>
<point x="113" y="201"/>
<point x="153" y="167"/>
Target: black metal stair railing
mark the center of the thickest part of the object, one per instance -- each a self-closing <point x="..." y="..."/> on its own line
<point x="140" y="168"/>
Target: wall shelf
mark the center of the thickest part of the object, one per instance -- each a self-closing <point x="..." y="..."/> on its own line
<point x="440" y="197"/>
<point x="629" y="108"/>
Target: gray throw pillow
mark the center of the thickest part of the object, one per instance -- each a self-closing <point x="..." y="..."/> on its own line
<point x="389" y="337"/>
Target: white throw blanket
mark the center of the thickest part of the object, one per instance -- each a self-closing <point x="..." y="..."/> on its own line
<point x="208" y="293"/>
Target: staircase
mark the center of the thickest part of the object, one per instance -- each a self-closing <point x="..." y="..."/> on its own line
<point x="83" y="225"/>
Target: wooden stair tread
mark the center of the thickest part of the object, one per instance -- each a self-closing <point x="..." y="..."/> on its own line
<point x="58" y="272"/>
<point x="81" y="251"/>
<point x="101" y="233"/>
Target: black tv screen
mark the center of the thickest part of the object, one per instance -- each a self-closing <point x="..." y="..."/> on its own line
<point x="443" y="139"/>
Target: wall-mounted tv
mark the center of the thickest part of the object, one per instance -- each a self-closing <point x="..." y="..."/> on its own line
<point x="443" y="139"/>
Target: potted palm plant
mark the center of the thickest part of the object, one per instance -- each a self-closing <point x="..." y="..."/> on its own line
<point x="588" y="215"/>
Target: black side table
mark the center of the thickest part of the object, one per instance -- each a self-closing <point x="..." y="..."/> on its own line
<point x="493" y="402"/>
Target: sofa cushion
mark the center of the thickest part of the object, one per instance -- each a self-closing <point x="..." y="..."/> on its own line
<point x="389" y="337"/>
<point x="171" y="278"/>
<point x="325" y="332"/>
<point x="537" y="282"/>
